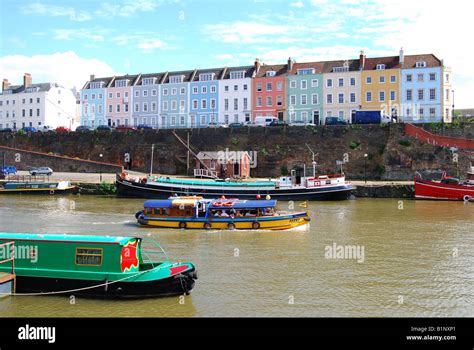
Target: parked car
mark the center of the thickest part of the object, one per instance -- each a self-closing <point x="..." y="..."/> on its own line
<point x="265" y="121"/>
<point x="216" y="125"/>
<point x="144" y="127"/>
<point x="41" y="171"/>
<point x="301" y="123"/>
<point x="29" y="129"/>
<point x="45" y="129"/>
<point x="278" y="122"/>
<point x="335" y="121"/>
<point x="82" y="128"/>
<point x="252" y="124"/>
<point x="8" y="169"/>
<point x="62" y="129"/>
<point x="104" y="128"/>
<point x="125" y="128"/>
<point x="6" y="130"/>
<point x="236" y="125"/>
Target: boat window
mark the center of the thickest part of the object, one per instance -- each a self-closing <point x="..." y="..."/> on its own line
<point x="89" y="256"/>
<point x="157" y="211"/>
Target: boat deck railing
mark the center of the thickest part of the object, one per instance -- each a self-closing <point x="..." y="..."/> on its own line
<point x="153" y="252"/>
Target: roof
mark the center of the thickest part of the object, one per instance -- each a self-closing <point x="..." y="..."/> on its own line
<point x="317" y="66"/>
<point x="42" y="87"/>
<point x="390" y="62"/>
<point x="430" y="59"/>
<point x="64" y="238"/>
<point x="248" y="71"/>
<point x="158" y="77"/>
<point x="280" y="69"/>
<point x="222" y="155"/>
<point x="217" y="73"/>
<point x="159" y="203"/>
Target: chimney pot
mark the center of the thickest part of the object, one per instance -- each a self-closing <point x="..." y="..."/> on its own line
<point x="5" y="84"/>
<point x="27" y="80"/>
<point x="402" y="56"/>
<point x="257" y="65"/>
<point x="92" y="77"/>
<point x="362" y="60"/>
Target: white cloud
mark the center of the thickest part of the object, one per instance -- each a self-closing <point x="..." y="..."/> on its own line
<point x="55" y="11"/>
<point x="129" y="8"/>
<point x="94" y="35"/>
<point x="297" y="4"/>
<point x="65" y="68"/>
<point x="144" y="41"/>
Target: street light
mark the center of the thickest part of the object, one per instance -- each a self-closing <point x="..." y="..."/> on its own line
<point x="101" y="155"/>
<point x="365" y="167"/>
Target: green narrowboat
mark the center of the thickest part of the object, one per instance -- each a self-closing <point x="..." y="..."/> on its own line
<point x="95" y="266"/>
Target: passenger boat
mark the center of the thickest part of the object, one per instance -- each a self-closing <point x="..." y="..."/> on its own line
<point x="448" y="188"/>
<point x="324" y="187"/>
<point x="35" y="185"/>
<point x="96" y="266"/>
<point x="195" y="212"/>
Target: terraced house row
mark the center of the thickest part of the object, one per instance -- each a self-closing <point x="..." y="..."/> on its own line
<point x="414" y="88"/>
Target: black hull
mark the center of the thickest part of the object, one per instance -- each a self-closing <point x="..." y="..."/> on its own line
<point x="175" y="285"/>
<point x="137" y="190"/>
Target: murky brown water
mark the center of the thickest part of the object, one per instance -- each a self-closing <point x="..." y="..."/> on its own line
<point x="418" y="260"/>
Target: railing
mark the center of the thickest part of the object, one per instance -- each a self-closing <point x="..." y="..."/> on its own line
<point x="205" y="173"/>
<point x="27" y="178"/>
<point x="437" y="140"/>
<point x="5" y="247"/>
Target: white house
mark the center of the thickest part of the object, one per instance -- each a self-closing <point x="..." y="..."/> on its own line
<point x="36" y="105"/>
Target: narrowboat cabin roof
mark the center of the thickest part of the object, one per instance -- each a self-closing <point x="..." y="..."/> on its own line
<point x="65" y="238"/>
<point x="243" y="204"/>
<point x="213" y="203"/>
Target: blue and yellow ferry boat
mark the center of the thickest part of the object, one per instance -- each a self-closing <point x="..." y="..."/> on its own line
<point x="95" y="266"/>
<point x="193" y="212"/>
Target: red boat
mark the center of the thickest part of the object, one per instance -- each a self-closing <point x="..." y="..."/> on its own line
<point x="448" y="188"/>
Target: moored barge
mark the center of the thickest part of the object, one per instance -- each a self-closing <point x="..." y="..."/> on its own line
<point x="448" y="188"/>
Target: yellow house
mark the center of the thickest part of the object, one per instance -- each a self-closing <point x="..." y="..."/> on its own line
<point x="380" y="83"/>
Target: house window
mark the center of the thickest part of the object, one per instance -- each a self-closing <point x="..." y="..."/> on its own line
<point x="236" y="87"/>
<point x="203" y="89"/>
<point x="226" y="88"/>
<point x="421" y="112"/>
<point x="269" y="101"/>
<point x="118" y="108"/>
<point x="304" y="99"/>
<point x="137" y="93"/>
<point x="304" y="84"/>
<point x="165" y="105"/>
<point x="380" y="66"/>
<point x="329" y="98"/>
<point x="381" y="96"/>
<point x="279" y="101"/>
<point x="148" y="81"/>
<point x="293" y="100"/>
<point x="314" y="83"/>
<point x="174" y="91"/>
<point x="121" y="83"/>
<point x="269" y="87"/>
<point x="279" y="86"/>
<point x="145" y="93"/>
<point x="195" y="104"/>
<point x="447" y="78"/>
<point x="432" y="76"/>
<point x="340" y="98"/>
<point x="353" y="97"/>
<point x="203" y="104"/>
<point x="393" y="78"/>
<point x="174" y="105"/>
<point x="421" y="64"/>
<point x="182" y="91"/>
<point x="206" y="76"/>
<point x="409" y="78"/>
<point x="447" y="94"/>
<point x="314" y="99"/>
<point x="270" y="73"/>
<point x="409" y="95"/>
<point x="382" y="80"/>
<point x="226" y="104"/>
<point x="196" y="90"/>
<point x="432" y="94"/>
<point x="213" y="103"/>
<point x="305" y="71"/>
<point x="392" y="95"/>
<point x="368" y="80"/>
<point x="153" y="92"/>
<point x="165" y="92"/>
<point x="213" y="89"/>
<point x="368" y="96"/>
<point x="421" y="95"/>
<point x="237" y="75"/>
<point x="236" y="104"/>
<point x="174" y="79"/>
<point x="432" y="112"/>
<point x="245" y="87"/>
<point x="245" y="103"/>
<point x="353" y="81"/>
<point x="304" y="116"/>
<point x="329" y="83"/>
<point x="110" y="108"/>
<point x="420" y="77"/>
<point x="259" y="101"/>
<point x="145" y="107"/>
<point x="259" y="87"/>
<point x="340" y="82"/>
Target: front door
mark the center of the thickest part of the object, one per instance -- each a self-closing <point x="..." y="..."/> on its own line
<point x="280" y="115"/>
<point x="316" y="117"/>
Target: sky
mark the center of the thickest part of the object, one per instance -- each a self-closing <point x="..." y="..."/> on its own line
<point x="66" y="41"/>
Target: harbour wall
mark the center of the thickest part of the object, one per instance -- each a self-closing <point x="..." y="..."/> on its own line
<point x="374" y="152"/>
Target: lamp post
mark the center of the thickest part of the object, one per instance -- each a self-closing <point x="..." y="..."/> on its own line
<point x="101" y="155"/>
<point x="452" y="113"/>
<point x="365" y="167"/>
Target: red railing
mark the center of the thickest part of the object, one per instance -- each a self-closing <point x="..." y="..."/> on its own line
<point x="437" y="140"/>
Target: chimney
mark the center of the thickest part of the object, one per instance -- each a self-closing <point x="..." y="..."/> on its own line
<point x="362" y="60"/>
<point x="5" y="85"/>
<point x="402" y="56"/>
<point x="290" y="64"/>
<point x="27" y="80"/>
<point x="257" y="65"/>
<point x="92" y="77"/>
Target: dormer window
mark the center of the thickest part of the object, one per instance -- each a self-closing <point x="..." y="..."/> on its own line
<point x="270" y="73"/>
<point x="380" y="66"/>
<point x="32" y="89"/>
<point x="340" y="69"/>
<point x="148" y="81"/>
<point x="206" y="76"/>
<point x="121" y="83"/>
<point x="305" y="71"/>
<point x="237" y="74"/>
<point x="7" y="92"/>
<point x="175" y="79"/>
<point x="97" y="85"/>
<point x="421" y="64"/>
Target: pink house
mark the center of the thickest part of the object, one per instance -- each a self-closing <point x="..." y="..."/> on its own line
<point x="269" y="90"/>
<point x="119" y="100"/>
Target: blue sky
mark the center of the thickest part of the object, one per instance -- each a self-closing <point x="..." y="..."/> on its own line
<point x="66" y="41"/>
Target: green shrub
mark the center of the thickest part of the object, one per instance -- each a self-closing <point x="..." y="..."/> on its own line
<point x="284" y="170"/>
<point x="105" y="188"/>
<point x="21" y="132"/>
<point x="404" y="143"/>
<point x="354" y="144"/>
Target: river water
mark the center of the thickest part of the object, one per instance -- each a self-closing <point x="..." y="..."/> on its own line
<point x="416" y="258"/>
